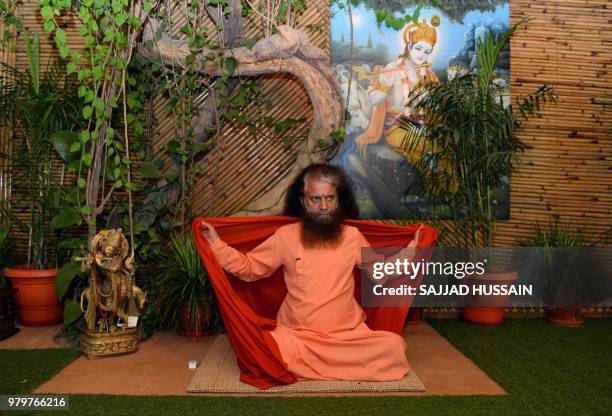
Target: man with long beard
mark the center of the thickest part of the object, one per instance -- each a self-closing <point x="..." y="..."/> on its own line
<point x="321" y="331"/>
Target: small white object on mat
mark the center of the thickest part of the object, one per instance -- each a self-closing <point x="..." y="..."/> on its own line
<point x="193" y="364"/>
<point x="219" y="373"/>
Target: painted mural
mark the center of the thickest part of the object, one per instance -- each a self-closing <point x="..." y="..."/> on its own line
<point x="378" y="65"/>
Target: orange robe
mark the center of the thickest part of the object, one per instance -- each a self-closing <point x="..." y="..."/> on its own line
<point x="321" y="331"/>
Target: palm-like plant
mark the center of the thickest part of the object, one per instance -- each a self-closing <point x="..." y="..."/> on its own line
<point x="470" y="139"/>
<point x="558" y="255"/>
<point x="37" y="104"/>
<point x="181" y="281"/>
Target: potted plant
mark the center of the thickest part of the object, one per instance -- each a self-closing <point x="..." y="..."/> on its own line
<point x="182" y="291"/>
<point x="469" y="141"/>
<point x="37" y="104"/>
<point x="7" y="307"/>
<point x="558" y="257"/>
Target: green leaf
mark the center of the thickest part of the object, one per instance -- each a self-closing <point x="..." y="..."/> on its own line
<point x="72" y="311"/>
<point x="75" y="147"/>
<point x="398" y="23"/>
<point x="230" y="63"/>
<point x="87" y="111"/>
<point x="98" y="72"/>
<point x="98" y="103"/>
<point x="81" y="183"/>
<point x="62" y="141"/>
<point x="249" y="43"/>
<point x="150" y="170"/>
<point x="118" y="183"/>
<point x="89" y="96"/>
<point x="110" y="133"/>
<point x="70" y="68"/>
<point x="416" y="15"/>
<point x="120" y="19"/>
<point x="115" y="6"/>
<point x="64" y="278"/>
<point x="46" y="12"/>
<point x="49" y="26"/>
<point x="87" y="159"/>
<point x="172" y="175"/>
<point x="86" y="209"/>
<point x="84" y="15"/>
<point x="64" y="51"/>
<point x="64" y="219"/>
<point x="60" y="36"/>
<point x="323" y="144"/>
<point x="174" y="147"/>
<point x="196" y="148"/>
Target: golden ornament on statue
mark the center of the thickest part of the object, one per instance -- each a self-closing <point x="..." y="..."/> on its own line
<point x="112" y="302"/>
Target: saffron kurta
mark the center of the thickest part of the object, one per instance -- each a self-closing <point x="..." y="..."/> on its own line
<point x="321" y="331"/>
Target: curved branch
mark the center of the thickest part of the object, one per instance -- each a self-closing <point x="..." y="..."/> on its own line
<point x="290" y="52"/>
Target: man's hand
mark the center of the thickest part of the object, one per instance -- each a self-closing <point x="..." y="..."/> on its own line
<point x="209" y="232"/>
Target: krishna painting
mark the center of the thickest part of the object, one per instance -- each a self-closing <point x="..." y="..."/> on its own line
<point x="379" y="70"/>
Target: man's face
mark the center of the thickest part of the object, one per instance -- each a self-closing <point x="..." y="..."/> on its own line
<point x="320" y="199"/>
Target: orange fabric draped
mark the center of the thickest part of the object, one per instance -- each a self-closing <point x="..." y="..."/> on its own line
<point x="249" y="309"/>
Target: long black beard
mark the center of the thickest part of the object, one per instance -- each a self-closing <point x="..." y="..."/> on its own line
<point x="321" y="231"/>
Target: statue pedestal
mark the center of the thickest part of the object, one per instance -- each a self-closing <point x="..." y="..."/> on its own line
<point x="99" y="344"/>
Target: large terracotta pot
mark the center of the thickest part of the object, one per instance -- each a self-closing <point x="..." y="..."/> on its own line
<point x="188" y="327"/>
<point x="7" y="313"/>
<point x="487" y="309"/>
<point x="36" y="300"/>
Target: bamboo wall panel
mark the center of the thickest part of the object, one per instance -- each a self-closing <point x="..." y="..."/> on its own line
<point x="567" y="171"/>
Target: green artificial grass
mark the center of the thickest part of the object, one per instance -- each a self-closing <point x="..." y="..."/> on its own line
<point x="23" y="370"/>
<point x="546" y="370"/>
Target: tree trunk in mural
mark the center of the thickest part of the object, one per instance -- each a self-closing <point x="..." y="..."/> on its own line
<point x="290" y="52"/>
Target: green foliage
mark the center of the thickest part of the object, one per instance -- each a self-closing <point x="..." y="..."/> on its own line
<point x="38" y="102"/>
<point x="386" y="14"/>
<point x="97" y="153"/>
<point x="72" y="312"/>
<point x="555" y="234"/>
<point x="69" y="285"/>
<point x="65" y="277"/>
<point x="181" y="279"/>
<point x="468" y="136"/>
<point x="23" y="370"/>
<point x="573" y="271"/>
<point x="11" y="24"/>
